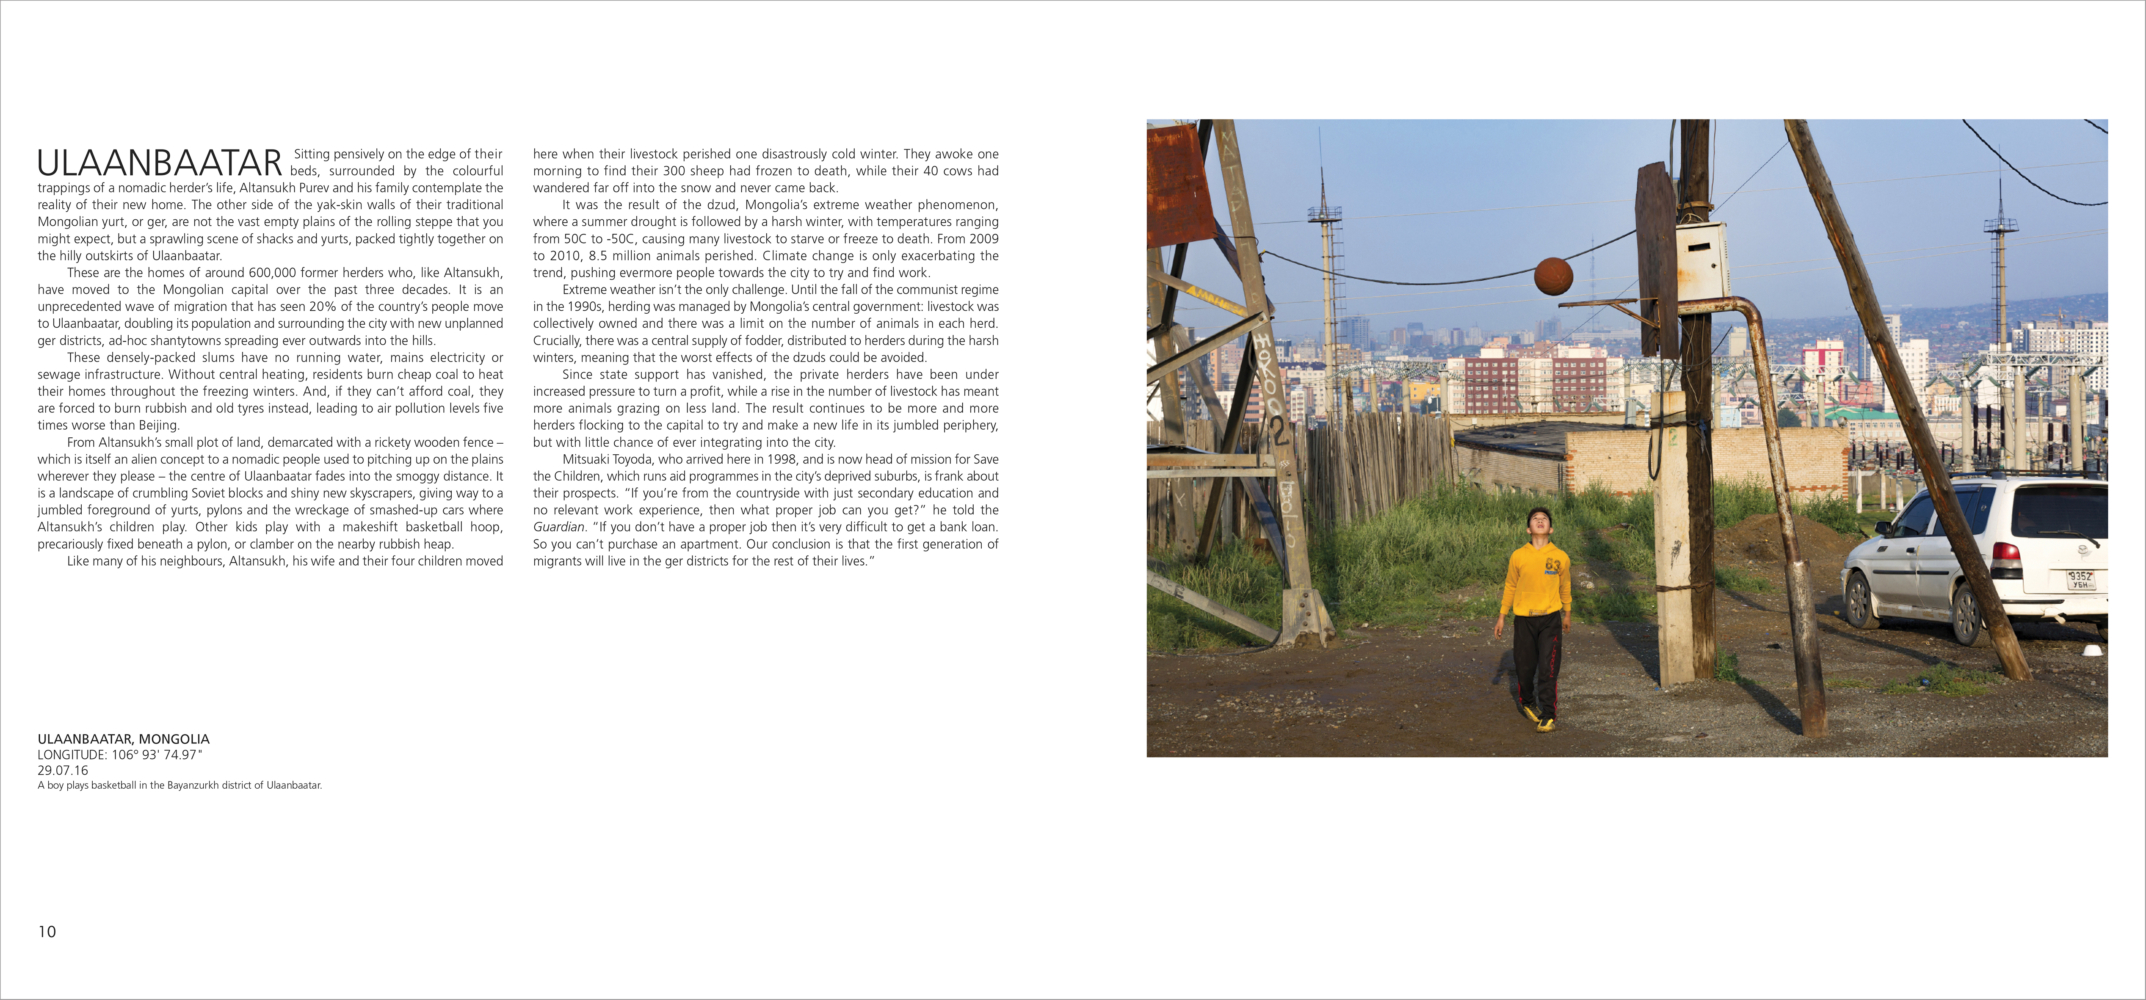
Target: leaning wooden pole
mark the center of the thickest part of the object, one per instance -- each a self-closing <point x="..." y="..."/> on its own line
<point x="1304" y="617"/>
<point x="1908" y="401"/>
<point x="1802" y="604"/>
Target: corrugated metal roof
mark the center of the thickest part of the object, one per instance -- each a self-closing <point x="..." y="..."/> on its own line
<point x="1853" y="413"/>
<point x="1546" y="438"/>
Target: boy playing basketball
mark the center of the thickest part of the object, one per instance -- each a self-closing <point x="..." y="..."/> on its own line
<point x="1538" y="591"/>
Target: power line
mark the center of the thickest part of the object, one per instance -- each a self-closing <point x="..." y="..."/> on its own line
<point x="1873" y="256"/>
<point x="1740" y="187"/>
<point x="1567" y="338"/>
<point x="1398" y="312"/>
<point x="1470" y="281"/>
<point x="1627" y="201"/>
<point x="2090" y="121"/>
<point x="1742" y="270"/>
<point x="2030" y="180"/>
<point x="1898" y="260"/>
<point x="1925" y="177"/>
<point x="1571" y="332"/>
<point x="1462" y="211"/>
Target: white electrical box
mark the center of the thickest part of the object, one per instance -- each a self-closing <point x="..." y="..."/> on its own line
<point x="1702" y="261"/>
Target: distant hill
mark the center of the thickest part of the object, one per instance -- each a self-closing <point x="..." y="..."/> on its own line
<point x="1948" y="340"/>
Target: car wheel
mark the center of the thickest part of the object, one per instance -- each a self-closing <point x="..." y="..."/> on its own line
<point x="1966" y="618"/>
<point x="1859" y="611"/>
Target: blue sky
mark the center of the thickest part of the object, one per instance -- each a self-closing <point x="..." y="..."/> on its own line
<point x="1414" y="192"/>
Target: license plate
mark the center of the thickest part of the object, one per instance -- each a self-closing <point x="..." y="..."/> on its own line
<point x="2081" y="579"/>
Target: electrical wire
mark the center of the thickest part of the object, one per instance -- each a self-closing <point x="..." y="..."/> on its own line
<point x="1460" y="211"/>
<point x="2090" y="121"/>
<point x="1754" y="174"/>
<point x="1897" y="260"/>
<point x="1567" y="338"/>
<point x="1470" y="281"/>
<point x="1873" y="257"/>
<point x="2024" y="177"/>
<point x="1398" y="312"/>
<point x="1925" y="177"/>
<point x="1582" y="325"/>
<point x="1627" y="201"/>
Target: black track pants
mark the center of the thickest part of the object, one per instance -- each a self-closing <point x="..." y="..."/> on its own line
<point x="1537" y="642"/>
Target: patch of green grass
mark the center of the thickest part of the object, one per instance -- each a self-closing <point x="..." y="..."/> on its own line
<point x="1236" y="575"/>
<point x="1833" y="512"/>
<point x="1735" y="501"/>
<point x="1846" y="682"/>
<point x="1611" y="604"/>
<point x="1950" y="680"/>
<point x="1725" y="668"/>
<point x="1405" y="566"/>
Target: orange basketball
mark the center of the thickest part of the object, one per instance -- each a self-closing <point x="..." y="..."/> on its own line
<point x="1553" y="276"/>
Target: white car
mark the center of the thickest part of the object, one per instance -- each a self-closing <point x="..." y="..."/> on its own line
<point x="2044" y="539"/>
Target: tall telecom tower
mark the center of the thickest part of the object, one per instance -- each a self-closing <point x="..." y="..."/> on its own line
<point x="1997" y="228"/>
<point x="2014" y="409"/>
<point x="1329" y="220"/>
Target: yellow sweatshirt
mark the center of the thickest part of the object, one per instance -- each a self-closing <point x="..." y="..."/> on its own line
<point x="1537" y="581"/>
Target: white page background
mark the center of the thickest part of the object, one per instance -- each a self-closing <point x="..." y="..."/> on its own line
<point x="930" y="778"/>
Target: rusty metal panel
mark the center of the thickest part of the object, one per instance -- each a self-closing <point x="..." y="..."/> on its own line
<point x="1178" y="207"/>
<point x="1655" y="217"/>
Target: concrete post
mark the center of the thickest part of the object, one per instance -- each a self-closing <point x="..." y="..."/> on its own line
<point x="2020" y="445"/>
<point x="1672" y="539"/>
<point x="2075" y="452"/>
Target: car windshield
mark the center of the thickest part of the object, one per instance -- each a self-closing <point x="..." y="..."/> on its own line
<point x="2060" y="512"/>
<point x="1910" y="522"/>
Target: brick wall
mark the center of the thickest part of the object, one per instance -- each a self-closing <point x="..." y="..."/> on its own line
<point x="1468" y="421"/>
<point x="1817" y="459"/>
<point x="1493" y="469"/>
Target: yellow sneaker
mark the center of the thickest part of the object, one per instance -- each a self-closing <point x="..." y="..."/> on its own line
<point x="1544" y="725"/>
<point x="1532" y="717"/>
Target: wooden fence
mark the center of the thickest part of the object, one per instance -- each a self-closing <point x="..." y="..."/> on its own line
<point x="1392" y="457"/>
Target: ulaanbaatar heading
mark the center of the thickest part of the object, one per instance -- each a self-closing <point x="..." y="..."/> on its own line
<point x="160" y="162"/>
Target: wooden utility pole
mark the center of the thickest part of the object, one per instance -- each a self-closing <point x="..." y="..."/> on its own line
<point x="1908" y="402"/>
<point x="1304" y="617"/>
<point x="1177" y="212"/>
<point x="1694" y="204"/>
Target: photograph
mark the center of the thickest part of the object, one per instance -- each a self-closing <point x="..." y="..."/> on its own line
<point x="1714" y="447"/>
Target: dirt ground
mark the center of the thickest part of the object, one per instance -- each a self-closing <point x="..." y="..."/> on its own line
<point x="1447" y="689"/>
